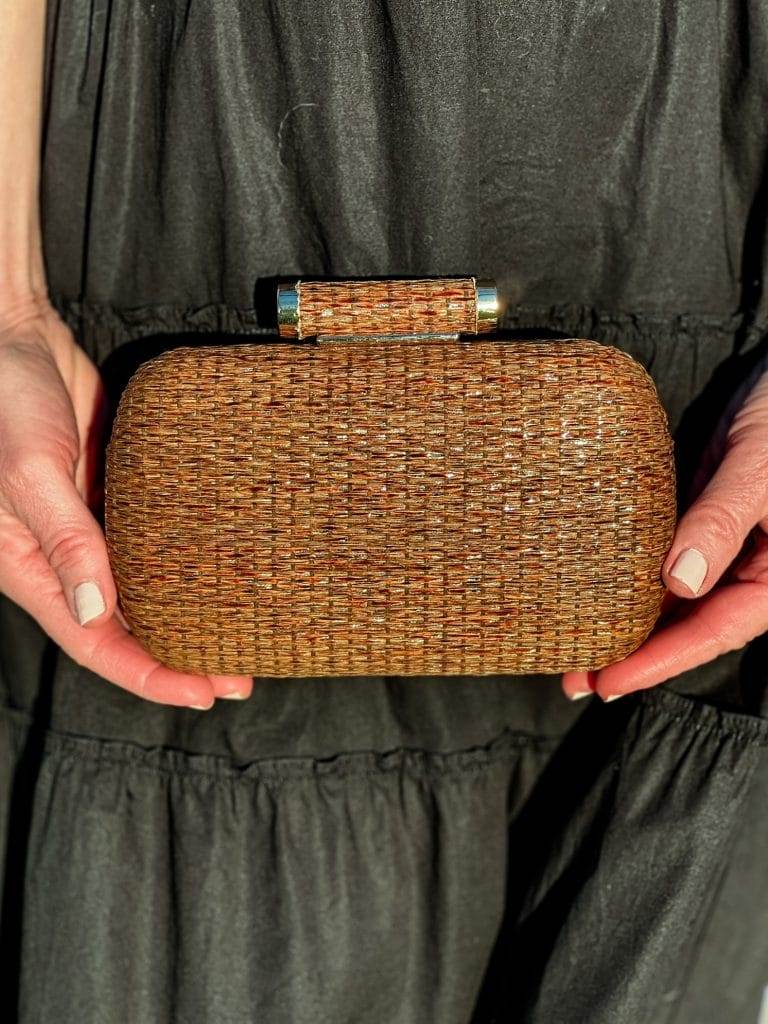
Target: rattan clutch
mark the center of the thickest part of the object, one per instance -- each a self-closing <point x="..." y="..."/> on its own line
<point x="395" y="496"/>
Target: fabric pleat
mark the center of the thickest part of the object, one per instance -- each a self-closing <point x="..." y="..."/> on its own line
<point x="162" y="885"/>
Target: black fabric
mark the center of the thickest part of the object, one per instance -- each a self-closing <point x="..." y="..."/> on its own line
<point x="393" y="850"/>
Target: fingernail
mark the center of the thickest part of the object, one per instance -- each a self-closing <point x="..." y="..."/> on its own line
<point x="690" y="568"/>
<point x="88" y="601"/>
<point x="580" y="694"/>
<point x="614" y="696"/>
<point x="233" y="696"/>
<point x="201" y="707"/>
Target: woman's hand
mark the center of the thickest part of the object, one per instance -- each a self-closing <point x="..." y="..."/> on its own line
<point x="723" y="606"/>
<point x="53" y="556"/>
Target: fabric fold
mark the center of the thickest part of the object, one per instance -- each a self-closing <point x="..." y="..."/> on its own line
<point x="370" y="887"/>
<point x="615" y="862"/>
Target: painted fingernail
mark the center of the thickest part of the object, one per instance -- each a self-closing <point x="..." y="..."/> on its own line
<point x="581" y="693"/>
<point x="234" y="696"/>
<point x="201" y="707"/>
<point x="690" y="568"/>
<point x="89" y="602"/>
<point x="614" y="696"/>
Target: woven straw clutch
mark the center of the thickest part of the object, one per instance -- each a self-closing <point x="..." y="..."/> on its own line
<point x="395" y="496"/>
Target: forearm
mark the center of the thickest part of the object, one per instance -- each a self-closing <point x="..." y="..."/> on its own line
<point x="22" y="272"/>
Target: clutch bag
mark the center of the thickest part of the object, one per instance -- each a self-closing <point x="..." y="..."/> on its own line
<point x="390" y="487"/>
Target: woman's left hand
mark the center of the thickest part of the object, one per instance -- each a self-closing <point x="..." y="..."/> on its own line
<point x="723" y="606"/>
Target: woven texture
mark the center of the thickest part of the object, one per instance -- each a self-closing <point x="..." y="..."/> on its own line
<point x="388" y="307"/>
<point x="390" y="507"/>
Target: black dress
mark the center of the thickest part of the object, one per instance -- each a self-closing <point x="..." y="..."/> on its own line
<point x="393" y="850"/>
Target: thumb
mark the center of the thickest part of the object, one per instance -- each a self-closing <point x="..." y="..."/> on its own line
<point x="712" y="532"/>
<point x="45" y="499"/>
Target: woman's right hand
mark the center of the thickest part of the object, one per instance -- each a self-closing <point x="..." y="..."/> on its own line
<point x="53" y="555"/>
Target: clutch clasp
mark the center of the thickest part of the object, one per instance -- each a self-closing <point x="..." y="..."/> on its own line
<point x="387" y="308"/>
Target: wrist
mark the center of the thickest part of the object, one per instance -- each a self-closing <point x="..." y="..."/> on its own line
<point x="20" y="307"/>
<point x="23" y="282"/>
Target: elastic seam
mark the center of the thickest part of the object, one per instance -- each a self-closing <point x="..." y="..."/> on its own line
<point x="142" y="319"/>
<point x="418" y="762"/>
<point x="278" y="781"/>
<point x="525" y="314"/>
<point x="752" y="732"/>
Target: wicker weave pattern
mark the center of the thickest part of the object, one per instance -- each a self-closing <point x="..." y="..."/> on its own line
<point x="390" y="507"/>
<point x="387" y="307"/>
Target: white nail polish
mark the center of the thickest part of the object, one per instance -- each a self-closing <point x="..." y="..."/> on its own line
<point x="690" y="568"/>
<point x="580" y="694"/>
<point x="201" y="707"/>
<point x="614" y="696"/>
<point x="88" y="601"/>
<point x="233" y="696"/>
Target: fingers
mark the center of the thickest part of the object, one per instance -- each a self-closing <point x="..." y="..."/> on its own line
<point x="723" y="621"/>
<point x="578" y="684"/>
<point x="105" y="648"/>
<point x="712" y="532"/>
<point x="55" y="565"/>
<point x="39" y="457"/>
<point x="45" y="500"/>
<point x="53" y="555"/>
<point x="708" y="541"/>
<point x="232" y="687"/>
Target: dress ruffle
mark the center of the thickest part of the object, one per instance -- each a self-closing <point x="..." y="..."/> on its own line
<point x="370" y="886"/>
